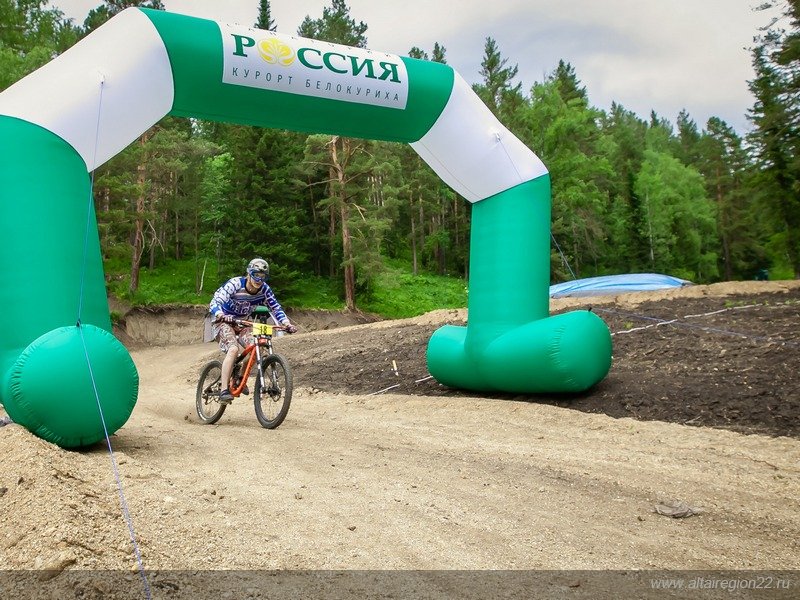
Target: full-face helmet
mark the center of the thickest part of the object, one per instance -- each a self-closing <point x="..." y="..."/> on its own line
<point x="258" y="270"/>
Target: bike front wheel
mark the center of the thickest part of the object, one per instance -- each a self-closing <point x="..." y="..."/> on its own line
<point x="272" y="400"/>
<point x="209" y="408"/>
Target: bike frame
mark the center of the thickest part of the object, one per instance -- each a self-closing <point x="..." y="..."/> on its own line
<point x="254" y="354"/>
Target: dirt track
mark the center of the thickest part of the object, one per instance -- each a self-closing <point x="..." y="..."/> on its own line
<point x="399" y="481"/>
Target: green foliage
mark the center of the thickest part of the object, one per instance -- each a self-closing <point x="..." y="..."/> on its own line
<point x="102" y="13"/>
<point x="735" y="303"/>
<point x="776" y="136"/>
<point x="575" y="150"/>
<point x="265" y="20"/>
<point x="395" y="293"/>
<point x="310" y="292"/>
<point x="680" y="220"/>
<point x="170" y="283"/>
<point x="399" y="294"/>
<point x="720" y="156"/>
<point x="14" y="66"/>
<point x="497" y="89"/>
<point x="29" y="24"/>
<point x="336" y="25"/>
<point x="780" y="264"/>
<point x="30" y="36"/>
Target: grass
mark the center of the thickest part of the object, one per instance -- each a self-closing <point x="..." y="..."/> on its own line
<point x="171" y="283"/>
<point x="781" y="272"/>
<point x="311" y="293"/>
<point x="395" y="293"/>
<point x="735" y="303"/>
<point x="398" y="293"/>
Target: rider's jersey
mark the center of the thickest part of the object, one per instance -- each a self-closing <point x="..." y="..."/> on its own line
<point x="234" y="299"/>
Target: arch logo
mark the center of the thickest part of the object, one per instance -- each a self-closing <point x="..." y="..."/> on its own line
<point x="283" y="63"/>
<point x="275" y="52"/>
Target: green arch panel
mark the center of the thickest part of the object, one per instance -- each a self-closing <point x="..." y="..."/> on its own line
<point x="200" y="92"/>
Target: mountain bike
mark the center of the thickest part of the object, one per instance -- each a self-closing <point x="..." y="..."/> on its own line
<point x="272" y="392"/>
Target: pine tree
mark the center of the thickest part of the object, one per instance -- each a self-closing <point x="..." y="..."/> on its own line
<point x="628" y="248"/>
<point x="775" y="138"/>
<point x="144" y="235"/>
<point x="724" y="164"/>
<point x="109" y="8"/>
<point x="337" y="26"/>
<point x="497" y="78"/>
<point x="418" y="53"/>
<point x="564" y="131"/>
<point x="265" y="20"/>
<point x="439" y="218"/>
<point x="688" y="138"/>
<point x="439" y="53"/>
<point x="568" y="84"/>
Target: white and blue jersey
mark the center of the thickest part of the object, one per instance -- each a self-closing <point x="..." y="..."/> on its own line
<point x="232" y="298"/>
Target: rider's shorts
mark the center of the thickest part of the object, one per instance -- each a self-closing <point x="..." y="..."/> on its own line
<point x="228" y="336"/>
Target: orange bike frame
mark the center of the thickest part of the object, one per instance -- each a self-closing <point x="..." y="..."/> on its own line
<point x="248" y="367"/>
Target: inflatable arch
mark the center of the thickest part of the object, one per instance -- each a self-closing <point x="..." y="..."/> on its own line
<point x="62" y="373"/>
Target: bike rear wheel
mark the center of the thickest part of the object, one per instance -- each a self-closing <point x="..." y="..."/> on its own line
<point x="272" y="403"/>
<point x="209" y="408"/>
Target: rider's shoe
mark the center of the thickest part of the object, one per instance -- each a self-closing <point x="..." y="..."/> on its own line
<point x="225" y="396"/>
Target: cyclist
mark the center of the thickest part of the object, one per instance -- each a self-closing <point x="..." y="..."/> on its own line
<point x="236" y="299"/>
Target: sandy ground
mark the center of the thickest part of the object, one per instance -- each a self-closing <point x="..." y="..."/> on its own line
<point x="394" y="482"/>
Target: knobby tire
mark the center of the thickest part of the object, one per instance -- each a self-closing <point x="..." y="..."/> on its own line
<point x="209" y="408"/>
<point x="276" y="398"/>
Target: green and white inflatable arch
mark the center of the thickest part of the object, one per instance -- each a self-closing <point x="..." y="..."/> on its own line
<point x="64" y="120"/>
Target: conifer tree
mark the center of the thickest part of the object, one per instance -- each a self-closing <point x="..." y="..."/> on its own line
<point x="776" y="136"/>
<point x="265" y="20"/>
<point x="497" y="78"/>
<point x="337" y="26"/>
<point x="722" y="160"/>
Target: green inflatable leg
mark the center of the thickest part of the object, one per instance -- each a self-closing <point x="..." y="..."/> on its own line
<point x="51" y="389"/>
<point x="510" y="343"/>
<point x="46" y="383"/>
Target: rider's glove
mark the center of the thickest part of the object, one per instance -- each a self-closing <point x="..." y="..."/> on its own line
<point x="223" y="318"/>
<point x="290" y="328"/>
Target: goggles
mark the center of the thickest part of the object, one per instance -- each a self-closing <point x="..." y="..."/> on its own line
<point x="259" y="276"/>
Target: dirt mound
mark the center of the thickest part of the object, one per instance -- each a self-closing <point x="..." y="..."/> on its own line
<point x="715" y="290"/>
<point x="704" y="355"/>
<point x="175" y="325"/>
<point x="47" y="493"/>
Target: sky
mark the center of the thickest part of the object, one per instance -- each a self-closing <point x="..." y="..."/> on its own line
<point x="662" y="55"/>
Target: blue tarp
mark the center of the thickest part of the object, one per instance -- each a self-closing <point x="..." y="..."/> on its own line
<point x="616" y="284"/>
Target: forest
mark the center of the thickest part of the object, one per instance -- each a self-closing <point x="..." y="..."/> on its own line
<point x="629" y="194"/>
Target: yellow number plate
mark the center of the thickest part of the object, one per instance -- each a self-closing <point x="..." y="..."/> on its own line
<point x="262" y="329"/>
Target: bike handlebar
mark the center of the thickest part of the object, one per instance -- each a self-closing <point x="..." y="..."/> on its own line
<point x="245" y="323"/>
<point x="248" y="323"/>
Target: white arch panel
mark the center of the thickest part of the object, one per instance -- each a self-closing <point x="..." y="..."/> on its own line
<point x="472" y="151"/>
<point x="126" y="60"/>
